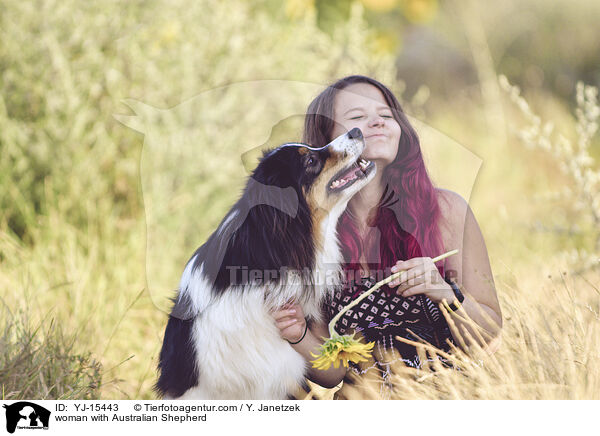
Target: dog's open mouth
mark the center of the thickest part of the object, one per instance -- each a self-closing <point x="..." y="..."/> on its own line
<point x="345" y="178"/>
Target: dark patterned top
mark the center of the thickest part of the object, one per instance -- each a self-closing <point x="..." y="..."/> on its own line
<point x="380" y="318"/>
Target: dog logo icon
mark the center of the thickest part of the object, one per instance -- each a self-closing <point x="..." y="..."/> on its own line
<point x="26" y="415"/>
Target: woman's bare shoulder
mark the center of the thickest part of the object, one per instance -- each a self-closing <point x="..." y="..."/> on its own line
<point x="453" y="207"/>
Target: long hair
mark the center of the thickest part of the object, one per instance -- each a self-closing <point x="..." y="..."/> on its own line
<point x="407" y="213"/>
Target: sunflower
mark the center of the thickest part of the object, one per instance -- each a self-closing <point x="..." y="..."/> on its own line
<point x="342" y="349"/>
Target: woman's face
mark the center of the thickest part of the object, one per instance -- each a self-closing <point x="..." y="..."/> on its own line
<point x="362" y="105"/>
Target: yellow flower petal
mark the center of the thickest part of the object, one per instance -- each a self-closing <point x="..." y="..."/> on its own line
<point x="342" y="349"/>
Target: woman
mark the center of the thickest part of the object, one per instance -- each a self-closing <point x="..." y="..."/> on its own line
<point x="399" y="221"/>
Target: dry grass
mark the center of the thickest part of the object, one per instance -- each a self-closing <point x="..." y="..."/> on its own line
<point x="549" y="350"/>
<point x="41" y="363"/>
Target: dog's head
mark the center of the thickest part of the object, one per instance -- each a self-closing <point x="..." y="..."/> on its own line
<point x="326" y="177"/>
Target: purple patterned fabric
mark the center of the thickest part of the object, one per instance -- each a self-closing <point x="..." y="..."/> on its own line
<point x="381" y="318"/>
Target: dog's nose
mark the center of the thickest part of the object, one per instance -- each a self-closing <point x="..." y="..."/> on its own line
<point x="355" y="133"/>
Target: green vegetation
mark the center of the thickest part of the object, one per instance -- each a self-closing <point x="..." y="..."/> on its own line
<point x="41" y="363"/>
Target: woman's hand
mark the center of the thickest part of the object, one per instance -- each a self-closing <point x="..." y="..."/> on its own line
<point x="421" y="276"/>
<point x="290" y="322"/>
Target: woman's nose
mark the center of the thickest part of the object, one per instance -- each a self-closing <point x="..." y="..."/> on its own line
<point x="376" y="120"/>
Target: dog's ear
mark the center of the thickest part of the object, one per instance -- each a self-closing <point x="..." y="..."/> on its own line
<point x="282" y="167"/>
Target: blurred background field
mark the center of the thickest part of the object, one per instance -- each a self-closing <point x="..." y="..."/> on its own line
<point x="127" y="130"/>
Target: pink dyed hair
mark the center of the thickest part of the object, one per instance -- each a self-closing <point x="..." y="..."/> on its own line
<point x="408" y="211"/>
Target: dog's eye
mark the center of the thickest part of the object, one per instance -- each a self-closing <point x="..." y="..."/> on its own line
<point x="310" y="161"/>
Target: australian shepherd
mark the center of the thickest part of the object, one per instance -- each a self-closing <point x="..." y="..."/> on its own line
<point x="278" y="244"/>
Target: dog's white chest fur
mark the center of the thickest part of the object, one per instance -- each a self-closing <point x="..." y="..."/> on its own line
<point x="240" y="353"/>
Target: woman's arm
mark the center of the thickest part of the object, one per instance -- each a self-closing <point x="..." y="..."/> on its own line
<point x="471" y="271"/>
<point x="291" y="324"/>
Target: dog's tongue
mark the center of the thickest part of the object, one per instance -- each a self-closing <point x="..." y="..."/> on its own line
<point x="351" y="174"/>
<point x="346" y="177"/>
